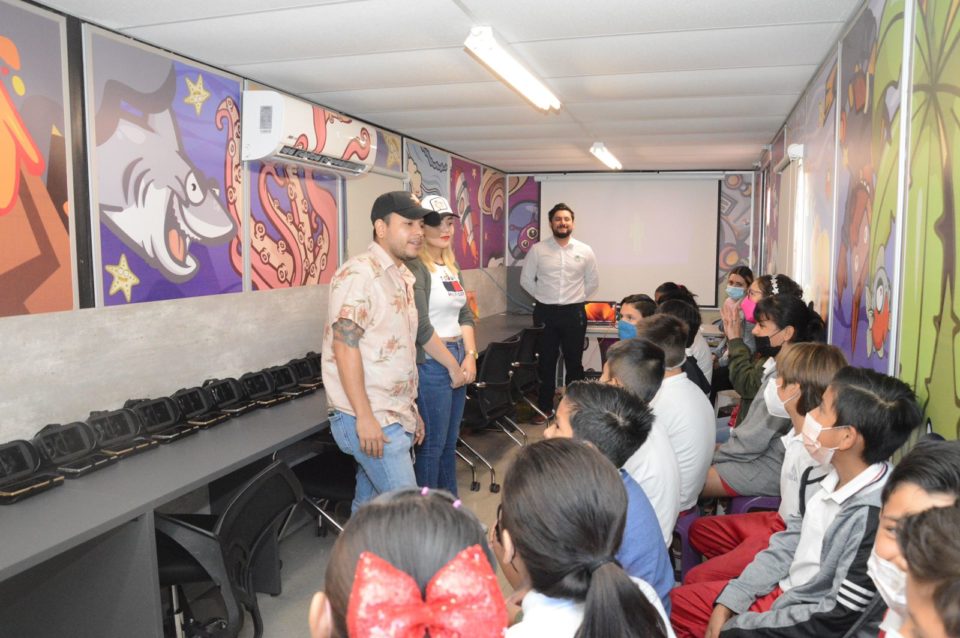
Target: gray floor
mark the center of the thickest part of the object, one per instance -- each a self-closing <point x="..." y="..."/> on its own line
<point x="304" y="554"/>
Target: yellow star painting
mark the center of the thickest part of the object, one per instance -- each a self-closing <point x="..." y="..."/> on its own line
<point x="123" y="278"/>
<point x="198" y="94"/>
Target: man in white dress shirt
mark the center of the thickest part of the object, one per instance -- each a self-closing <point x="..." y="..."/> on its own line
<point x="560" y="272"/>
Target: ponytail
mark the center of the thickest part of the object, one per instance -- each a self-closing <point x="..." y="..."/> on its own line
<point x="615" y="606"/>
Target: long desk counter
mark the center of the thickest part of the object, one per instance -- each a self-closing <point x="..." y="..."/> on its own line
<point x="80" y="560"/>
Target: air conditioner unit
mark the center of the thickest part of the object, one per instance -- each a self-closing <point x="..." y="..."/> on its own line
<point x="280" y="128"/>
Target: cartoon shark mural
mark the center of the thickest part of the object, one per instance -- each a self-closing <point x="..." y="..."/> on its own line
<point x="151" y="195"/>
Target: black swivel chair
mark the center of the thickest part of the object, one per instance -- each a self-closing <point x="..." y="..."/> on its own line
<point x="328" y="477"/>
<point x="526" y="375"/>
<point x="224" y="549"/>
<point x="489" y="400"/>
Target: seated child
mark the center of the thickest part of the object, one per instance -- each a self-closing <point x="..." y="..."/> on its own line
<point x="633" y="308"/>
<point x="617" y="423"/>
<point x="812" y="580"/>
<point x="699" y="362"/>
<point x="561" y="520"/>
<point x="730" y="542"/>
<point x="637" y="365"/>
<point x="410" y="562"/>
<point x="931" y="549"/>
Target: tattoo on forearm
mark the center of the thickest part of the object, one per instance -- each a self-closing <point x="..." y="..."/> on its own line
<point x="347" y="332"/>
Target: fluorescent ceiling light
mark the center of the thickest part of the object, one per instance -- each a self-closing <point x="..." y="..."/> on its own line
<point x="601" y="153"/>
<point x="484" y="45"/>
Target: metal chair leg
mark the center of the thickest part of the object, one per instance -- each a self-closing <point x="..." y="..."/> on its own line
<point x="516" y="427"/>
<point x="494" y="486"/>
<point x="323" y="515"/>
<point x="508" y="433"/>
<point x="536" y="409"/>
<point x="474" y="483"/>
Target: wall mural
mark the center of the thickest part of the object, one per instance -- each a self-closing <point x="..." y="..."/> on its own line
<point x="816" y="130"/>
<point x="35" y="211"/>
<point x="759" y="201"/>
<point x="523" y="221"/>
<point x="165" y="173"/>
<point x="465" y="179"/>
<point x="389" y="151"/>
<point x="929" y="358"/>
<point x="736" y="199"/>
<point x="771" y="226"/>
<point x="493" y="217"/>
<point x="294" y="233"/>
<point x="870" y="69"/>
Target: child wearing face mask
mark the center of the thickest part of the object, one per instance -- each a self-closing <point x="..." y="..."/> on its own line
<point x="749" y="462"/>
<point x="812" y="579"/>
<point x="929" y="544"/>
<point x="633" y="308"/>
<point x="730" y="542"/>
<point x="927" y="477"/>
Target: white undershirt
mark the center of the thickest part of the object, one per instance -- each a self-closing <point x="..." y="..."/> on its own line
<point x="447" y="298"/>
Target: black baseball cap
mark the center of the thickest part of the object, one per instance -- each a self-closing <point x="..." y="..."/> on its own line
<point x="399" y="202"/>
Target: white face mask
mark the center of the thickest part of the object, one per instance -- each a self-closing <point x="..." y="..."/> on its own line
<point x="775" y="406"/>
<point x="811" y="440"/>
<point x="891" y="583"/>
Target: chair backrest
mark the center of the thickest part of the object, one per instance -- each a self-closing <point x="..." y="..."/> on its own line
<point x="258" y="508"/>
<point x="527" y="350"/>
<point x="496" y="400"/>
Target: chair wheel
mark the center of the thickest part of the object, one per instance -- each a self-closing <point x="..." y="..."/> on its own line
<point x="475" y="486"/>
<point x="494" y="487"/>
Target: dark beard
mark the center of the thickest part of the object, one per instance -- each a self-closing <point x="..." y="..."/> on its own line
<point x="562" y="234"/>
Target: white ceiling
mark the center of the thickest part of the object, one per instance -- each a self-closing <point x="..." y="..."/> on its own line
<point x="665" y="84"/>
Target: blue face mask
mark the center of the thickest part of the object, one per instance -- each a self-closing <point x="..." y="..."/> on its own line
<point x="736" y="293"/>
<point x="626" y="330"/>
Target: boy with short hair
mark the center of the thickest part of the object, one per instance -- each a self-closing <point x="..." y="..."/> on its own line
<point x="617" y="422"/>
<point x="931" y="548"/>
<point x="812" y="580"/>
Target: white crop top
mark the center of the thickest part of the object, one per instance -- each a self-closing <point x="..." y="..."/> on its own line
<point x="447" y="298"/>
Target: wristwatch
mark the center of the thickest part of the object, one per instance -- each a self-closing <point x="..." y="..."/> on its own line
<point x="473" y="353"/>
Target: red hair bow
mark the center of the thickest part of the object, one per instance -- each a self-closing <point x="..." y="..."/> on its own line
<point x="463" y="599"/>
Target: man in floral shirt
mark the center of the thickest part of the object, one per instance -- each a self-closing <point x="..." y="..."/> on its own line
<point x="370" y="354"/>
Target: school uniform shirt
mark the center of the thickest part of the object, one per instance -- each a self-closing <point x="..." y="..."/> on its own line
<point x="821" y="509"/>
<point x="654" y="467"/>
<point x="641" y="553"/>
<point x="700" y="350"/>
<point x="796" y="460"/>
<point x="682" y="411"/>
<point x="560" y="275"/>
<point x="561" y="617"/>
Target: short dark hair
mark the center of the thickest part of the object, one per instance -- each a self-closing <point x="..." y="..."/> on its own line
<point x="928" y="542"/>
<point x="615" y="420"/>
<point x="883" y="409"/>
<point x="565" y="507"/>
<point x="933" y="466"/>
<point x="557" y="208"/>
<point x="787" y="310"/>
<point x="669" y="333"/>
<point x="418" y="534"/>
<point x="685" y="312"/>
<point x="638" y="365"/>
<point x="670" y="290"/>
<point x="643" y="303"/>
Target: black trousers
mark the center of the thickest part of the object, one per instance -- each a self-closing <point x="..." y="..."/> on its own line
<point x="564" y="328"/>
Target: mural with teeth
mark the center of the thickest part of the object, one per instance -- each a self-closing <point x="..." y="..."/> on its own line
<point x="163" y="172"/>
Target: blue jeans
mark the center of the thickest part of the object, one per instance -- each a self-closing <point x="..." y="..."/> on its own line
<point x="375" y="476"/>
<point x="441" y="408"/>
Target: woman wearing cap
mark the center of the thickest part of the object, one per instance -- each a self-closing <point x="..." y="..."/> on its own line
<point x="446" y="348"/>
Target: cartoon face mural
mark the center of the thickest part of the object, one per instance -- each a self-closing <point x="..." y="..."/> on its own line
<point x="465" y="188"/>
<point x="35" y="211"/>
<point x="493" y="220"/>
<point x="166" y="173"/>
<point x="523" y="196"/>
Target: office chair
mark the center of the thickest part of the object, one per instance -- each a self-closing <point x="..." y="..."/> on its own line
<point x="328" y="477"/>
<point x="223" y="549"/>
<point x="526" y="376"/>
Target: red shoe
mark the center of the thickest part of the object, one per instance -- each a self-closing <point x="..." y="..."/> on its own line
<point x="539" y="419"/>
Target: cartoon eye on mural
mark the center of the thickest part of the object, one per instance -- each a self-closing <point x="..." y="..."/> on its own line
<point x="929" y="358"/>
<point x="878" y="309"/>
<point x="524" y="218"/>
<point x="161" y="162"/>
<point x="493" y="220"/>
<point x="35" y="213"/>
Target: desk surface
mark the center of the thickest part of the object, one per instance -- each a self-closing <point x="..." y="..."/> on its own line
<point x="500" y="327"/>
<point x="43" y="526"/>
